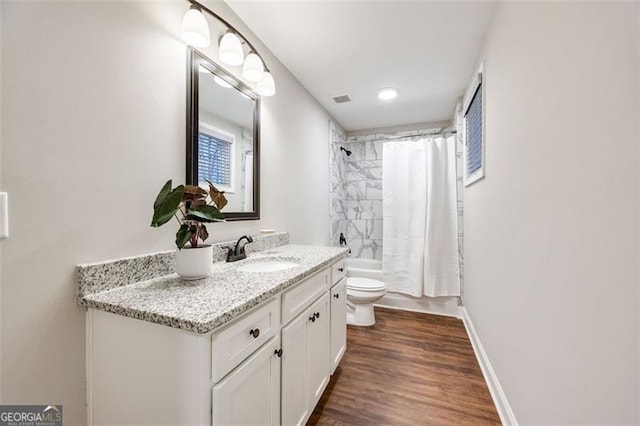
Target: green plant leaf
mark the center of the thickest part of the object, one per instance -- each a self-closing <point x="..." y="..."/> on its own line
<point x="164" y="192"/>
<point x="205" y="213"/>
<point x="184" y="234"/>
<point x="166" y="205"/>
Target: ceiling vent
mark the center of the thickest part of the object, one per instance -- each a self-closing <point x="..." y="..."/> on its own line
<point x="340" y="99"/>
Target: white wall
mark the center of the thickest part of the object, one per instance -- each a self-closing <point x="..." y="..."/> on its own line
<point x="551" y="234"/>
<point x="93" y="111"/>
<point x="638" y="216"/>
<point x="294" y="153"/>
<point x="1" y="189"/>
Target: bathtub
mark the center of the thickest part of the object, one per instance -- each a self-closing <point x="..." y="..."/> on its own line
<point x="365" y="268"/>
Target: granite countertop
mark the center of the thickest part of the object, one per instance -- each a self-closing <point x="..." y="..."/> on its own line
<point x="204" y="305"/>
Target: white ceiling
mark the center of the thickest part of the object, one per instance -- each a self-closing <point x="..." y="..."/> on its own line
<point x="428" y="50"/>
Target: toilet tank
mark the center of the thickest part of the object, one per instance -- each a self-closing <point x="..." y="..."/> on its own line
<point x="364" y="268"/>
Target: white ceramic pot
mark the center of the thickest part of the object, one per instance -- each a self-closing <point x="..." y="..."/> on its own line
<point x="194" y="263"/>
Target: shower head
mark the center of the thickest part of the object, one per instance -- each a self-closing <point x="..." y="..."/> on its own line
<point x="342" y="148"/>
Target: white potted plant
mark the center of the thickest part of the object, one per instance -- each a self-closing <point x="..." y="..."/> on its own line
<point x="193" y="207"/>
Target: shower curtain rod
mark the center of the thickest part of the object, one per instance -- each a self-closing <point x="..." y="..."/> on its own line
<point x="414" y="135"/>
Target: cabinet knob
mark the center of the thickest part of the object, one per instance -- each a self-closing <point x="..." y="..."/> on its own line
<point x="317" y="314"/>
<point x="337" y="295"/>
<point x="278" y="352"/>
<point x="255" y="332"/>
<point x="341" y="269"/>
<point x="312" y="318"/>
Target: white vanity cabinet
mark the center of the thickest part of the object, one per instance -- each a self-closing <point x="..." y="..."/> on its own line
<point x="305" y="361"/>
<point x="250" y="395"/>
<point x="233" y="344"/>
<point x="269" y="366"/>
<point x="318" y="361"/>
<point x="338" y="306"/>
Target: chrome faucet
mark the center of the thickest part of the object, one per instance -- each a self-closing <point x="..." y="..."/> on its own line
<point x="237" y="252"/>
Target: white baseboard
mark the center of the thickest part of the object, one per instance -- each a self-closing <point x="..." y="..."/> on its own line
<point x="499" y="398"/>
<point x="446" y="306"/>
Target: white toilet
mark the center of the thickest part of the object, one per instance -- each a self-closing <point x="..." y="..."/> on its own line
<point x="361" y="294"/>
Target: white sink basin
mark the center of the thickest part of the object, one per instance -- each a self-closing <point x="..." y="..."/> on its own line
<point x="268" y="265"/>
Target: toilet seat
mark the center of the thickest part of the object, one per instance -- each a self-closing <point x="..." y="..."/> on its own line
<point x="365" y="284"/>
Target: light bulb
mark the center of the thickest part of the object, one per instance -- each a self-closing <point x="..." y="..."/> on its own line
<point x="266" y="86"/>
<point x="231" y="49"/>
<point x="253" y="68"/>
<point x="195" y="30"/>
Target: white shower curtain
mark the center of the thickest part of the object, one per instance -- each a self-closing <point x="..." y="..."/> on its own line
<point x="420" y="244"/>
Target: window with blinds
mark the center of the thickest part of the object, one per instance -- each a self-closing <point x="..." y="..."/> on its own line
<point x="214" y="160"/>
<point x="473" y="120"/>
<point x="473" y="133"/>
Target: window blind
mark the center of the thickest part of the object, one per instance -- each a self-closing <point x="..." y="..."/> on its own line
<point x="473" y="122"/>
<point x="214" y="160"/>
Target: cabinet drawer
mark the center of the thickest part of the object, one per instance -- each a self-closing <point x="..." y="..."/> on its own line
<point x="235" y="343"/>
<point x="338" y="270"/>
<point x="296" y="299"/>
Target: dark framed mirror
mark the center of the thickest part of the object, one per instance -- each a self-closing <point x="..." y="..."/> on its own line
<point x="223" y="136"/>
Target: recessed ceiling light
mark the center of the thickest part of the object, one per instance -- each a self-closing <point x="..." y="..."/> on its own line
<point x="387" y="93"/>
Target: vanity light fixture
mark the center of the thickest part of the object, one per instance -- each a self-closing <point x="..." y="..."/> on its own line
<point x="266" y="86"/>
<point x="230" y="49"/>
<point x="195" y="32"/>
<point x="253" y="68"/>
<point x="387" y="93"/>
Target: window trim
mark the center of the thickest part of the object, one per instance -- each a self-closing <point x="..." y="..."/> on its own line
<point x="227" y="137"/>
<point x="476" y="83"/>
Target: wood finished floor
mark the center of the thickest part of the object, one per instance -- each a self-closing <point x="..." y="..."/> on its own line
<point x="409" y="368"/>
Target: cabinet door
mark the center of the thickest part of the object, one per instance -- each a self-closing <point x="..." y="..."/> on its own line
<point x="295" y="404"/>
<point x="338" y="322"/>
<point x="237" y="341"/>
<point x="318" y="349"/>
<point x="251" y="393"/>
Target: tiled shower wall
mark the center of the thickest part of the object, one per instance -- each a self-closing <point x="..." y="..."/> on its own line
<point x="356" y="185"/>
<point x="337" y="192"/>
<point x="363" y="185"/>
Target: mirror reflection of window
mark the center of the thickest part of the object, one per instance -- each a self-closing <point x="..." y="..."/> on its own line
<point x="215" y="157"/>
<point x="225" y="140"/>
